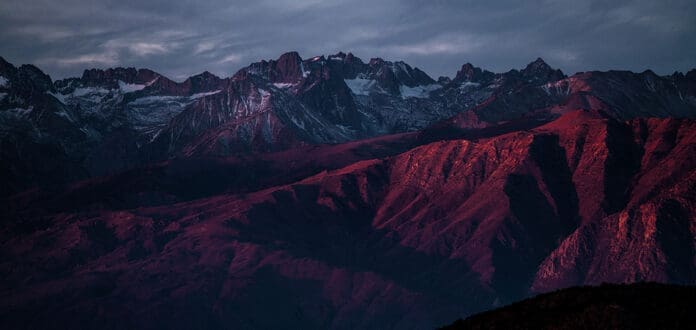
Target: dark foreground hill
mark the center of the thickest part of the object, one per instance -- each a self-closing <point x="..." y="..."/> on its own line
<point x="635" y="306"/>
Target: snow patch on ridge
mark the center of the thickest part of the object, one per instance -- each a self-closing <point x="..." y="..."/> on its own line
<point x="561" y="87"/>
<point x="65" y="115"/>
<point x="302" y="67"/>
<point x="129" y="88"/>
<point x="17" y="112"/>
<point x="418" y="91"/>
<point x="199" y="95"/>
<point x="154" y="99"/>
<point x="468" y="84"/>
<point x="360" y="86"/>
<point x="3" y="81"/>
<point x="264" y="93"/>
<point x="58" y="96"/>
<point x="400" y="66"/>
<point x="89" y="90"/>
<point x="283" y="85"/>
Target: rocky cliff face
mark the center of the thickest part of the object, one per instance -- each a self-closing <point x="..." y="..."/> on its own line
<point x="115" y="119"/>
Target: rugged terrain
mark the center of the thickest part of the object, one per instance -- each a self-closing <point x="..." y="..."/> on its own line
<point x="112" y="120"/>
<point x="334" y="193"/>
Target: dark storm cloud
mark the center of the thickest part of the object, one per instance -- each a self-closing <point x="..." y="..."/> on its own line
<point x="186" y="37"/>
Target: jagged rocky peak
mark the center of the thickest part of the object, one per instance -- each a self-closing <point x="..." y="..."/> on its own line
<point x="338" y="56"/>
<point x="381" y="71"/>
<point x="318" y="58"/>
<point x="691" y="74"/>
<point x="650" y="73"/>
<point x="540" y="71"/>
<point x="349" y="65"/>
<point x="27" y="81"/>
<point x="316" y="66"/>
<point x="291" y="68"/>
<point x="468" y="71"/>
<point x="205" y="75"/>
<point x="34" y="76"/>
<point x="381" y="67"/>
<point x="347" y="58"/>
<point x="111" y="77"/>
<point x="350" y="58"/>
<point x="392" y="74"/>
<point x="471" y="73"/>
<point x="289" y="59"/>
<point x="243" y="74"/>
<point x="26" y="78"/>
<point x="6" y="68"/>
<point x="202" y="82"/>
<point x="677" y="75"/>
<point x="288" y="68"/>
<point x="376" y="62"/>
<point x="537" y="65"/>
<point x="411" y="76"/>
<point x="442" y="80"/>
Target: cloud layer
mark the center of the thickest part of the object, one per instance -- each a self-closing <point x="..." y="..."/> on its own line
<point x="186" y="37"/>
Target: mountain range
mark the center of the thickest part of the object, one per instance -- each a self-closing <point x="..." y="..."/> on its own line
<point x="331" y="192"/>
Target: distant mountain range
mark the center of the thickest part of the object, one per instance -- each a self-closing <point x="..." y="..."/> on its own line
<point x="115" y="119"/>
<point x="336" y="193"/>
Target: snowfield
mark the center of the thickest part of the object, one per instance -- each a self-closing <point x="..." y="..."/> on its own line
<point x="420" y="92"/>
<point x="360" y="86"/>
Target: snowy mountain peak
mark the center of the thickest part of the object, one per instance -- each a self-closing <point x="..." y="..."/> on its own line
<point x="339" y="55"/>
<point x="135" y="114"/>
<point x="109" y="78"/>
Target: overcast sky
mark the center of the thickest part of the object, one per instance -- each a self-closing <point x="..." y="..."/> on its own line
<point x="182" y="38"/>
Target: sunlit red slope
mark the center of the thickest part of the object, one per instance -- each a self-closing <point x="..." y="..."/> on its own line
<point x="410" y="241"/>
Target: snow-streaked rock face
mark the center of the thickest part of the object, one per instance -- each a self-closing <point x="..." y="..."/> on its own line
<point x="421" y="92"/>
<point x="129" y="88"/>
<point x="360" y="86"/>
<point x="108" y="120"/>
